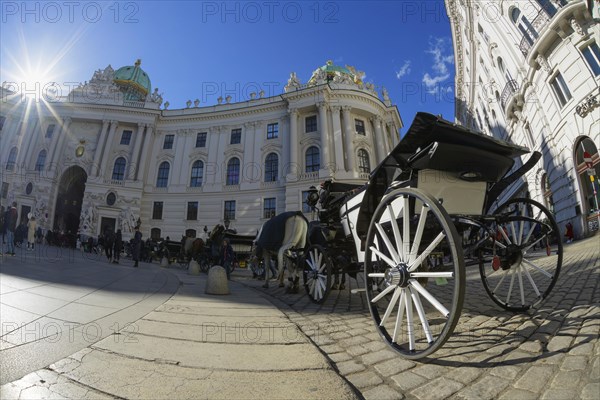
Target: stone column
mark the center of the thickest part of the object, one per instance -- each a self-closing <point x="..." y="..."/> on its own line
<point x="31" y="138"/>
<point x="348" y="136"/>
<point x="61" y="141"/>
<point x="109" y="142"/>
<point x="212" y="169"/>
<point x="293" y="138"/>
<point x="146" y="150"/>
<point x="250" y="167"/>
<point x="323" y="129"/>
<point x="378" y="138"/>
<point x="135" y="156"/>
<point x="99" y="148"/>
<point x="338" y="140"/>
<point x="180" y="139"/>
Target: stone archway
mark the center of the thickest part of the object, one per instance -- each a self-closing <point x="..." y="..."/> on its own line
<point x="69" y="199"/>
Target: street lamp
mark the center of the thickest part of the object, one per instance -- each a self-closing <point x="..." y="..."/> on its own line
<point x="227" y="222"/>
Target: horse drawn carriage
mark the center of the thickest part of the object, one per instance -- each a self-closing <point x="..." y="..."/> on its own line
<point x="427" y="209"/>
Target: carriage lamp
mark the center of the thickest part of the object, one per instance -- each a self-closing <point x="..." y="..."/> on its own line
<point x="313" y="196"/>
<point x="227" y="222"/>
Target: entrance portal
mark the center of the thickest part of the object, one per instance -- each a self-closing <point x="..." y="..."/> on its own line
<point x="69" y="199"/>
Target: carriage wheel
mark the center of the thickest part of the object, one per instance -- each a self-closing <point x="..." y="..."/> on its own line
<point x="317" y="273"/>
<point x="522" y="264"/>
<point x="204" y="264"/>
<point x="413" y="262"/>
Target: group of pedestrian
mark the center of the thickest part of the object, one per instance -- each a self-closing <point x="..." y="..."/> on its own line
<point x="113" y="245"/>
<point x="9" y="227"/>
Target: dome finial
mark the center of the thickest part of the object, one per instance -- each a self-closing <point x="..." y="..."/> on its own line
<point x="329" y="62"/>
<point x="138" y="62"/>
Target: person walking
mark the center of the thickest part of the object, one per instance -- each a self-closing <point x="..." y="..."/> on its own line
<point x="569" y="235"/>
<point x="31" y="226"/>
<point x="226" y="257"/>
<point x="137" y="246"/>
<point x="10" y="219"/>
<point x="118" y="246"/>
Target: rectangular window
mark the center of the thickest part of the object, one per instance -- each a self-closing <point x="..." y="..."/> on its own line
<point x="157" y="210"/>
<point x="269" y="208"/>
<point x="4" y="190"/>
<point x="168" y="144"/>
<point x="192" y="210"/>
<point x="305" y="207"/>
<point x="592" y="57"/>
<point x="201" y="139"/>
<point x="229" y="211"/>
<point x="50" y="131"/>
<point x="561" y="90"/>
<point x="236" y="136"/>
<point x="359" y="125"/>
<point x="273" y="131"/>
<point x="126" y="137"/>
<point x="311" y="124"/>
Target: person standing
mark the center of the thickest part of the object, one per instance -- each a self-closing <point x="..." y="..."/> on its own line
<point x="109" y="239"/>
<point x="31" y="226"/>
<point x="118" y="246"/>
<point x="137" y="246"/>
<point x="569" y="235"/>
<point x="10" y="219"/>
<point x="226" y="257"/>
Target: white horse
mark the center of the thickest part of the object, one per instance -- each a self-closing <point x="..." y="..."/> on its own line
<point x="292" y="226"/>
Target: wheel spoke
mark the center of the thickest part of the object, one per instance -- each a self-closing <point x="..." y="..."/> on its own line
<point x="422" y="316"/>
<point x="526" y="249"/>
<point x="512" y="281"/>
<point x="396" y="230"/>
<point x="500" y="282"/>
<point x="521" y="226"/>
<point x="538" y="268"/>
<point x="533" y="285"/>
<point x="385" y="258"/>
<point x="406" y="225"/>
<point x="388" y="244"/>
<point x="390" y="306"/>
<point x="309" y="261"/>
<point x="409" y="322"/>
<point x="432" y="274"/>
<point x="426" y="252"/>
<point x="418" y="233"/>
<point x="514" y="234"/>
<point x="400" y="316"/>
<point x="376" y="275"/>
<point x="383" y="293"/>
<point x="429" y="297"/>
<point x="320" y="259"/>
<point x="521" y="288"/>
<point x="504" y="235"/>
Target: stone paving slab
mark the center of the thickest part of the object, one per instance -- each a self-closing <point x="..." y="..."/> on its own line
<point x="492" y="353"/>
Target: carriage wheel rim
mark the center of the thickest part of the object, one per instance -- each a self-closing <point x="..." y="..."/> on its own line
<point x="400" y="284"/>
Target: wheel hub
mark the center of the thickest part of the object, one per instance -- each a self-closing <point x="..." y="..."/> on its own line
<point x="397" y="276"/>
<point x="513" y="256"/>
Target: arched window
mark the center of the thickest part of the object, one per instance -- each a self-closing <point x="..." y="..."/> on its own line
<point x="523" y="24"/>
<point x="119" y="169"/>
<point x="313" y="159"/>
<point x="197" y="173"/>
<point x="162" y="180"/>
<point x="233" y="171"/>
<point x="155" y="233"/>
<point x="271" y="167"/>
<point x="41" y="161"/>
<point x="364" y="165"/>
<point x="12" y="159"/>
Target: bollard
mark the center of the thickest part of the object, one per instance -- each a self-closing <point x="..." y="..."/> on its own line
<point x="217" y="281"/>
<point x="194" y="268"/>
<point x="164" y="263"/>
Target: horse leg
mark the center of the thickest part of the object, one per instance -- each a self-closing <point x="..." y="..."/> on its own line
<point x="266" y="261"/>
<point x="343" y="284"/>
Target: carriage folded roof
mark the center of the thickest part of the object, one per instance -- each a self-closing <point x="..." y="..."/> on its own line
<point x="428" y="128"/>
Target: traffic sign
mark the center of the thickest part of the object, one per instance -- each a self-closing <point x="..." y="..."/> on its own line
<point x="587" y="158"/>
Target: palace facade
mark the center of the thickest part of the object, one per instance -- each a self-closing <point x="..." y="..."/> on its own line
<point x="528" y="71"/>
<point x="112" y="154"/>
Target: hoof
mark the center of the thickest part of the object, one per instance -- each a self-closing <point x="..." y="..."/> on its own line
<point x="335" y="286"/>
<point x="342" y="286"/>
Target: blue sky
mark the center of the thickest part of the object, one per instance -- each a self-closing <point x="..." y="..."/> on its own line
<point x="204" y="49"/>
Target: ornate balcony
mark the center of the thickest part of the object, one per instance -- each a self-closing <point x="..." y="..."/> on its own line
<point x="510" y="88"/>
<point x="539" y="22"/>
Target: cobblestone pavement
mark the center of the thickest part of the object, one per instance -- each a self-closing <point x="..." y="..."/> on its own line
<point x="550" y="353"/>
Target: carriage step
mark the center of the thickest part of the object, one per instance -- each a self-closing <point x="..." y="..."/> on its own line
<point x="354" y="291"/>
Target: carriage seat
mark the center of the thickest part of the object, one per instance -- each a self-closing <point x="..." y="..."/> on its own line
<point x="467" y="162"/>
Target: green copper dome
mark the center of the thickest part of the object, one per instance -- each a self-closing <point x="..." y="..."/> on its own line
<point x="330" y="70"/>
<point x="133" y="81"/>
